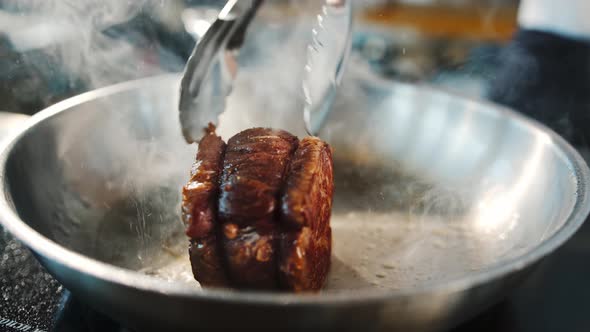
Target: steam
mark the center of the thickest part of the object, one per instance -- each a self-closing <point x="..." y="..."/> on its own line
<point x="81" y="37"/>
<point x="95" y="44"/>
<point x="269" y="82"/>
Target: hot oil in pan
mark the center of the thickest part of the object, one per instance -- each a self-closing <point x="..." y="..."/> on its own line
<point x="389" y="232"/>
<point x="376" y="250"/>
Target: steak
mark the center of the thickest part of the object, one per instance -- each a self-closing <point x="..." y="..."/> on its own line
<point x="257" y="211"/>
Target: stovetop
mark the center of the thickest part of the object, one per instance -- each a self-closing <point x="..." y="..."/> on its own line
<point x="30" y="296"/>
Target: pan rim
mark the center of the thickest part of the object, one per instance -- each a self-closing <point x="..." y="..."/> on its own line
<point x="51" y="250"/>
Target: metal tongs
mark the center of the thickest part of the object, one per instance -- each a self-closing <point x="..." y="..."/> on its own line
<point x="211" y="68"/>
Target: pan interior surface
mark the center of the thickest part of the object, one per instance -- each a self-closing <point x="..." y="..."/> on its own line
<point x="430" y="187"/>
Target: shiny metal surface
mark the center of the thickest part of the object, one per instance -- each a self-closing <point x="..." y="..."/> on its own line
<point x="211" y="68"/>
<point x="443" y="204"/>
<point x="11" y="122"/>
<point x="327" y="56"/>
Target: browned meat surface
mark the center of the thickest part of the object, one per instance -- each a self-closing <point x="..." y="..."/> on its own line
<point x="199" y="211"/>
<point x="306" y="243"/>
<point x="254" y="168"/>
<point x="253" y="172"/>
<point x="257" y="211"/>
<point x="207" y="261"/>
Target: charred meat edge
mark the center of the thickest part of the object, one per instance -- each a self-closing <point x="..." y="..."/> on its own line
<point x="306" y="236"/>
<point x="199" y="211"/>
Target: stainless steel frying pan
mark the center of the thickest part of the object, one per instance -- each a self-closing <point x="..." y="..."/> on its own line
<point x="443" y="204"/>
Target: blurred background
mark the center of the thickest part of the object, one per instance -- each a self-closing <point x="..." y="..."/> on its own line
<point x="52" y="50"/>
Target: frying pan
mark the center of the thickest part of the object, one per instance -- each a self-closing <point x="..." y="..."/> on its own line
<point x="442" y="205"/>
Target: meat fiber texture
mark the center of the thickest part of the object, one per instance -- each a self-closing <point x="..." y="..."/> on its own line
<point x="257" y="211"/>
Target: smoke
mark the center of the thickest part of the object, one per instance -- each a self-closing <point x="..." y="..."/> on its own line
<point x="97" y="43"/>
<point x="268" y="90"/>
<point x="87" y="39"/>
<point x="269" y="83"/>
